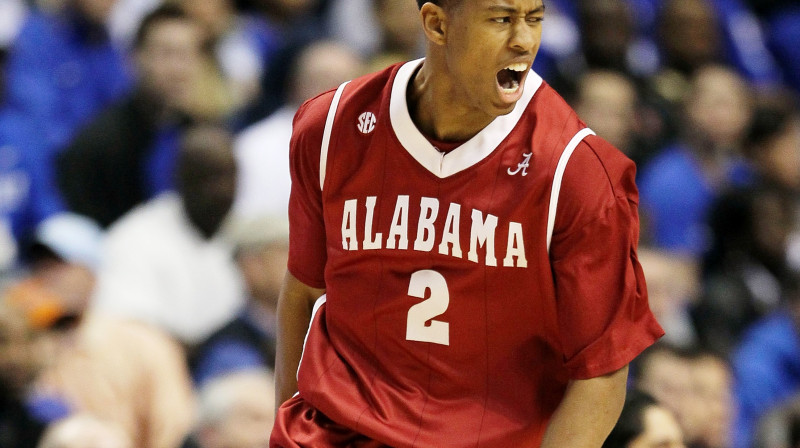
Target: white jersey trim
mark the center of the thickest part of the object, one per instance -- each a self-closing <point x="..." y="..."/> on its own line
<point x="317" y="305"/>
<point x="559" y="176"/>
<point x="471" y="152"/>
<point x="326" y="135"/>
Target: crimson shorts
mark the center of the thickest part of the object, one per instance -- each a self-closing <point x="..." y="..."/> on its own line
<point x="298" y="424"/>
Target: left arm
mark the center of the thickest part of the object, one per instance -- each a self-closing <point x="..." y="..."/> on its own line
<point x="588" y="412"/>
<point x="603" y="314"/>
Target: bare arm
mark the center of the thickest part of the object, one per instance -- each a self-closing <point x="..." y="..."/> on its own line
<point x="588" y="412"/>
<point x="295" y="304"/>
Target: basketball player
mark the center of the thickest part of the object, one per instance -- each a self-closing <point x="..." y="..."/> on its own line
<point x="464" y="251"/>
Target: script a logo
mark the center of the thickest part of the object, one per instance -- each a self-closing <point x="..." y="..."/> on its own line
<point x="366" y="122"/>
<point x="522" y="166"/>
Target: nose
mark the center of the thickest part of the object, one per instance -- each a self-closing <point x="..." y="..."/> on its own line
<point x="524" y="36"/>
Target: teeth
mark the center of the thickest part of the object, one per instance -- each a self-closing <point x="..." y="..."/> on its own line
<point x="518" y="67"/>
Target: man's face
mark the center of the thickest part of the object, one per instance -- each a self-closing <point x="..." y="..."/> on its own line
<point x="719" y="105"/>
<point x="207" y="179"/>
<point x="661" y="430"/>
<point x="250" y="424"/>
<point x="169" y="61"/>
<point x="690" y="33"/>
<point x="489" y="49"/>
<point x="712" y="389"/>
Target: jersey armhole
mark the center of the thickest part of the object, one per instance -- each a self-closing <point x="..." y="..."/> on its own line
<point x="559" y="176"/>
<point x="326" y="134"/>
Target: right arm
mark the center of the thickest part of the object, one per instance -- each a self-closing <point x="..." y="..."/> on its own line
<point x="295" y="303"/>
<point x="304" y="281"/>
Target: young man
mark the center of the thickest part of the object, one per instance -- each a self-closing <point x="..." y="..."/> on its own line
<point x="476" y="248"/>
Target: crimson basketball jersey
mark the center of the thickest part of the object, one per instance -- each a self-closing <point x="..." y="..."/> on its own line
<point x="463" y="290"/>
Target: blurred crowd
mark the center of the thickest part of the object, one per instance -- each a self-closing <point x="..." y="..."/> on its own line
<point x="144" y="190"/>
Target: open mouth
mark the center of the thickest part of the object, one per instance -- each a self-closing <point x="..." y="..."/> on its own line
<point x="510" y="78"/>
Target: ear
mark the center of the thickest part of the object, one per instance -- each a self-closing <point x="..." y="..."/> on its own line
<point x="434" y="23"/>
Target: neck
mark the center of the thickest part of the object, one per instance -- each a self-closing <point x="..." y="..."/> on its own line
<point x="438" y="108"/>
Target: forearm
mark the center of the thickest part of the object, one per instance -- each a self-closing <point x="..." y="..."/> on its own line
<point x="295" y="304"/>
<point x="588" y="412"/>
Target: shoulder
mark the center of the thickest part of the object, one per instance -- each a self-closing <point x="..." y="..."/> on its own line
<point x="615" y="168"/>
<point x="548" y="101"/>
<point x="309" y="121"/>
<point x="551" y="124"/>
<point x="143" y="225"/>
<point x="361" y="89"/>
<point x="597" y="177"/>
<point x="553" y="114"/>
<point x="595" y="166"/>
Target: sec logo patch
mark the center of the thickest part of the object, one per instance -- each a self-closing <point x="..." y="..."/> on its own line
<point x="366" y="122"/>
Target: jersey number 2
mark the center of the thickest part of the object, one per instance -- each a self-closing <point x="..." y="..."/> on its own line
<point x="417" y="327"/>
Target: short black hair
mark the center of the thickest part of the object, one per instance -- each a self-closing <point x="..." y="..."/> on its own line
<point x="441" y="3"/>
<point x="163" y="13"/>
<point x="631" y="421"/>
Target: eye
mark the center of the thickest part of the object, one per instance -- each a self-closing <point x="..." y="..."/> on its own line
<point x="504" y="19"/>
<point x="535" y="19"/>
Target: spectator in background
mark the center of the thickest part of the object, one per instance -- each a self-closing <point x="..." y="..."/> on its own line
<point x="247" y="342"/>
<point x="607" y="34"/>
<point x="712" y="395"/>
<point x="242" y="46"/>
<point x="608" y="102"/>
<point x="644" y="423"/>
<point x="782" y="20"/>
<point x="773" y="140"/>
<point x="401" y="37"/>
<point x="673" y="285"/>
<point x="693" y="33"/>
<point x="383" y="32"/>
<point x="22" y="357"/>
<point x="262" y="150"/>
<point x="236" y="411"/>
<point x="27" y="192"/>
<point x="679" y="185"/>
<point x="665" y="373"/>
<point x="129" y="374"/>
<point x="689" y="37"/>
<point x="85" y="431"/>
<point x="165" y="262"/>
<point x="746" y="270"/>
<point x="612" y="42"/>
<point x="780" y="427"/>
<point x="63" y="69"/>
<point x="127" y="154"/>
<point x="766" y="366"/>
<point x="12" y="16"/>
<point x="354" y="23"/>
<point x="696" y="386"/>
<point x="125" y="18"/>
<point x="298" y="23"/>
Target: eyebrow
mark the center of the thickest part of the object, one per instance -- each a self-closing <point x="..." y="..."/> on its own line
<point x="511" y="10"/>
